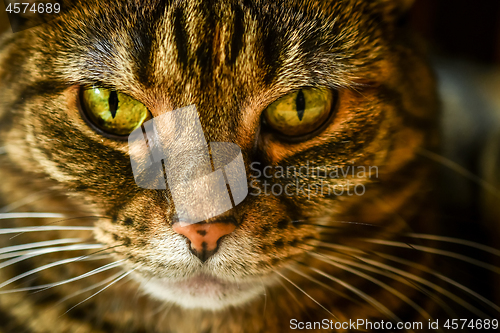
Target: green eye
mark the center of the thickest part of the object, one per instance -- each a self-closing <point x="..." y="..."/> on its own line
<point x="300" y="112"/>
<point x="113" y="112"/>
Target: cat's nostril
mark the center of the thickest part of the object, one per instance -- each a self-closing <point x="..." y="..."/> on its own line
<point x="204" y="237"/>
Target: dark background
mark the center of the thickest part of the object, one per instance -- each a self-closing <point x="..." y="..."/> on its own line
<point x="462" y="28"/>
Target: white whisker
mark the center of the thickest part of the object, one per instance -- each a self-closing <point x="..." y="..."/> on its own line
<point x="457" y="241"/>
<point x="306" y="294"/>
<point x="460" y="170"/>
<point x="341" y="248"/>
<point x="39" y="244"/>
<point x="4" y="216"/>
<point x="92" y="272"/>
<point x="333" y="221"/>
<point x="376" y="304"/>
<point x="414" y="278"/>
<point x="43" y="228"/>
<point x="39" y="269"/>
<point x="26" y="200"/>
<point x="96" y="285"/>
<point x="51" y="285"/>
<point x="442" y="277"/>
<point x="408" y="301"/>
<point x="166" y="310"/>
<point x="265" y="297"/>
<point x="29" y="253"/>
<point x="20" y="256"/>
<point x="435" y="251"/>
<point x="390" y="275"/>
<point x="109" y="285"/>
<point x="96" y="256"/>
<point x="310" y="278"/>
<point x="292" y="295"/>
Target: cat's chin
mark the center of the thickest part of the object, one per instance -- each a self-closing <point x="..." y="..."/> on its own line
<point x="203" y="292"/>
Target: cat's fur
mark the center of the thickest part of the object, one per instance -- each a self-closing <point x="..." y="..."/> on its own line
<point x="231" y="59"/>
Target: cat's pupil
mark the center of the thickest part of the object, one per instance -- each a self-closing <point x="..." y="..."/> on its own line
<point x="300" y="103"/>
<point x="113" y="103"/>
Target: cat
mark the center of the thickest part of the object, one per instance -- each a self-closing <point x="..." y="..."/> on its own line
<point x="88" y="250"/>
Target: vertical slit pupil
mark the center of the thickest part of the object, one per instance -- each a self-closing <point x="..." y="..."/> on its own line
<point x="300" y="103"/>
<point x="113" y="103"/>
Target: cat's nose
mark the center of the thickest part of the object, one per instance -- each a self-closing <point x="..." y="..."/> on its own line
<point x="204" y="237"/>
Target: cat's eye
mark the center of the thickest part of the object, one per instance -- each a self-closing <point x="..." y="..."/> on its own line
<point x="112" y="112"/>
<point x="300" y="112"/>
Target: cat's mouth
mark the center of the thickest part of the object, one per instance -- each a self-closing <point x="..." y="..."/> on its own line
<point x="203" y="291"/>
<point x="202" y="284"/>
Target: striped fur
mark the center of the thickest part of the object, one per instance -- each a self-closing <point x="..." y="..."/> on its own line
<point x="231" y="59"/>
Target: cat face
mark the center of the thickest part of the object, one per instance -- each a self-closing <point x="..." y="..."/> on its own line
<point x="237" y="63"/>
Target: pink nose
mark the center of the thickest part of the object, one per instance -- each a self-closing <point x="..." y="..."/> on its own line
<point x="204" y="237"/>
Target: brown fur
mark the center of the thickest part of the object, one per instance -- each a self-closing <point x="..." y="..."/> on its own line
<point x="231" y="59"/>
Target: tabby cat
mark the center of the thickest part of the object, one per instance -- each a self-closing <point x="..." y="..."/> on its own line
<point x="297" y="85"/>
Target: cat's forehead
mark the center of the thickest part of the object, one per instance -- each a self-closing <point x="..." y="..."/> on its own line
<point x="190" y="49"/>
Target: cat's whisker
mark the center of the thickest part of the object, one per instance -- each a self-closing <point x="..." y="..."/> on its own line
<point x="445" y="239"/>
<point x="97" y="257"/>
<point x="456" y="241"/>
<point x="387" y="274"/>
<point x="162" y="307"/>
<point x="39" y="244"/>
<point x="28" y="215"/>
<point x="306" y="222"/>
<point x="44" y="228"/>
<point x="393" y="291"/>
<point x="95" y="285"/>
<point x="166" y="310"/>
<point x="341" y="248"/>
<point x="435" y="251"/>
<point x="52" y="285"/>
<point x="79" y="218"/>
<point x="440" y="276"/>
<point x="106" y="287"/>
<point x="306" y="294"/>
<point x="18" y="257"/>
<point x="98" y="270"/>
<point x="310" y="278"/>
<point x="265" y="297"/>
<point x="410" y="276"/>
<point x="292" y="295"/>
<point x="94" y="255"/>
<point x="24" y="201"/>
<point x="376" y="304"/>
<point x="39" y="269"/>
<point x="67" y="219"/>
<point x="460" y="170"/>
<point x="4" y="216"/>
<point x="150" y="315"/>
